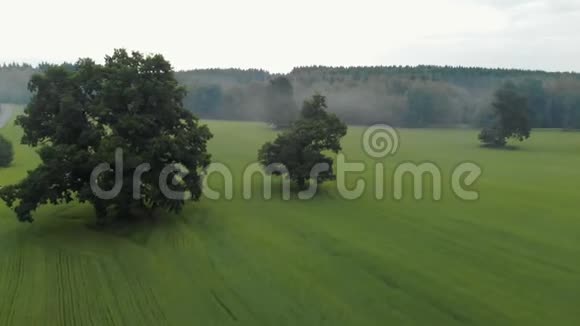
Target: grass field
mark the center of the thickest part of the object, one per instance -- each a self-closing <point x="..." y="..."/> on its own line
<point x="511" y="258"/>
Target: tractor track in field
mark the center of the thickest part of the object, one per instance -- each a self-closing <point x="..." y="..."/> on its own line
<point x="10" y="284"/>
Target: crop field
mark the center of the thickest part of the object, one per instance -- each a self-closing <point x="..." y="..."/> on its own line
<point x="510" y="258"/>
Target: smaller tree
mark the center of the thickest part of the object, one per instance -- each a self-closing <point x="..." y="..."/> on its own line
<point x="6" y="152"/>
<point x="281" y="109"/>
<point x="510" y="118"/>
<point x="299" y="149"/>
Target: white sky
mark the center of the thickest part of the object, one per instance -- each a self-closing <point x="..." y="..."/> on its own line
<point x="278" y="35"/>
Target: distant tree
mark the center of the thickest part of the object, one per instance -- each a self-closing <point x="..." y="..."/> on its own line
<point x="205" y="100"/>
<point x="281" y="109"/>
<point x="431" y="104"/>
<point x="573" y="116"/>
<point x="564" y="103"/>
<point x="300" y="148"/>
<point x="6" y="152"/>
<point x="535" y="93"/>
<point x="13" y="80"/>
<point x="420" y="96"/>
<point x="79" y="119"/>
<point x="510" y="118"/>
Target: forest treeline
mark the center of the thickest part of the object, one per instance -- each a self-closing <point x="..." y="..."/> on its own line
<point x="423" y="96"/>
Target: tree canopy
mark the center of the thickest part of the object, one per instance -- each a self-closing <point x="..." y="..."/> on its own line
<point x="299" y="149"/>
<point x="421" y="96"/>
<point x="281" y="110"/>
<point x="79" y="118"/>
<point x="510" y="117"/>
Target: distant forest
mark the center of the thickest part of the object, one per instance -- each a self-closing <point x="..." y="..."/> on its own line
<point x="423" y="96"/>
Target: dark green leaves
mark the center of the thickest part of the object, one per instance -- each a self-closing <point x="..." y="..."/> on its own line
<point x="510" y="117"/>
<point x="80" y="117"/>
<point x="300" y="148"/>
<point x="281" y="109"/>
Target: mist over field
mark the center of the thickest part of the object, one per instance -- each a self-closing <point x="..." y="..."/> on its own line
<point x="424" y="96"/>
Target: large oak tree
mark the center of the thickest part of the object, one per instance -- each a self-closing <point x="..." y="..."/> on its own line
<point x="79" y="117"/>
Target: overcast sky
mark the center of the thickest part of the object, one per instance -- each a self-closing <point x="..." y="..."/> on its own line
<point x="278" y="35"/>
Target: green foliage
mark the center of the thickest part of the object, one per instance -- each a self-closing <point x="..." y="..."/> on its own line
<point x="492" y="136"/>
<point x="510" y="118"/>
<point x="205" y="100"/>
<point x="537" y="98"/>
<point x="6" y="152"/>
<point x="421" y="96"/>
<point x="300" y="148"/>
<point x="431" y="104"/>
<point x="564" y="102"/>
<point x="79" y="117"/>
<point x="281" y="110"/>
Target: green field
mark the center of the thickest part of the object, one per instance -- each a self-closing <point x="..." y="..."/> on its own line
<point x="511" y="258"/>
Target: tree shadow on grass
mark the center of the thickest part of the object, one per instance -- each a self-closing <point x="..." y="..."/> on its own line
<point x="323" y="191"/>
<point x="69" y="228"/>
<point x="137" y="228"/>
<point x="76" y="225"/>
<point x="508" y="148"/>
